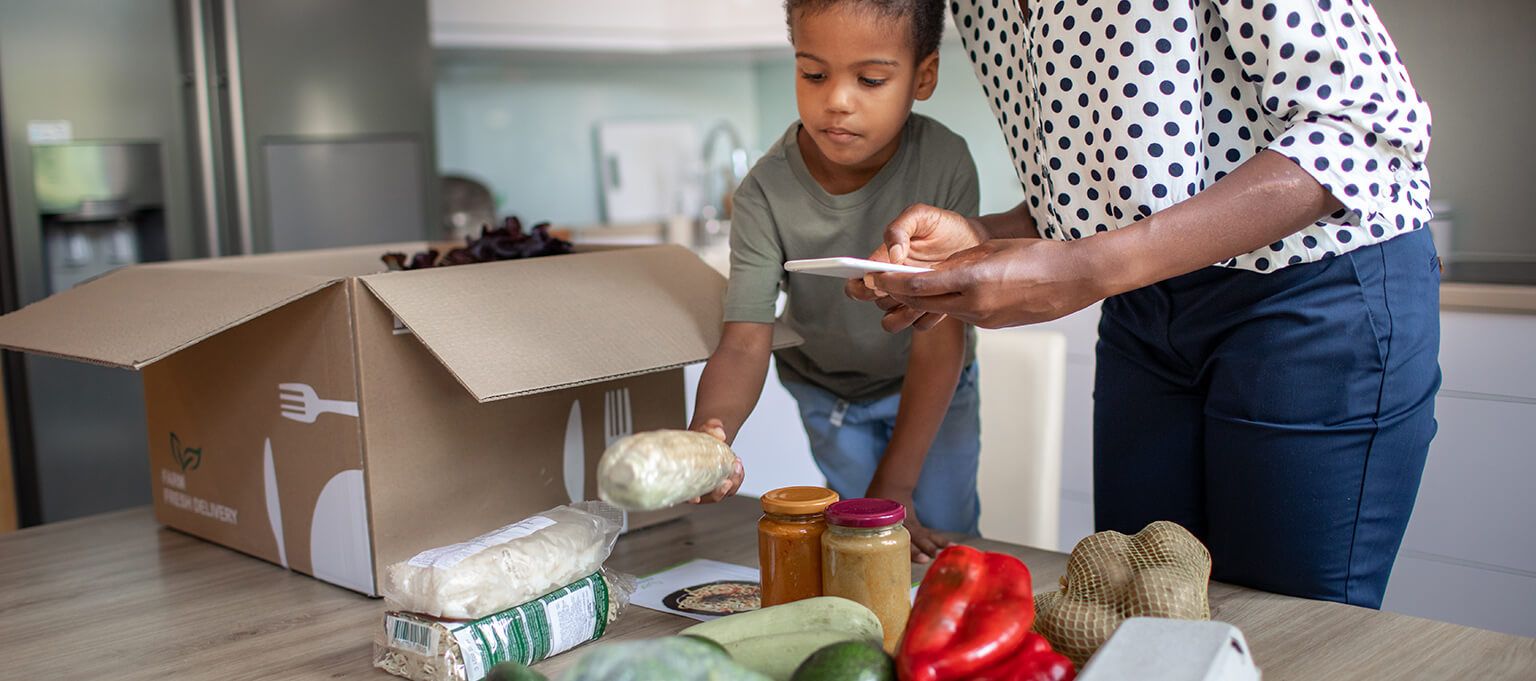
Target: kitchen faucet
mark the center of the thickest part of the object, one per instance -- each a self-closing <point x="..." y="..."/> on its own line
<point x="720" y="181"/>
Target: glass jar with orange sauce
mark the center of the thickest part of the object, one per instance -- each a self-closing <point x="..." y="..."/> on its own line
<point x="789" y="542"/>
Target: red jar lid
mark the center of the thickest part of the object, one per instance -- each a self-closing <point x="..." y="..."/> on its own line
<point x="866" y="513"/>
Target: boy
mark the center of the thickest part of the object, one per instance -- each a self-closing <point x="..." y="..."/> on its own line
<point x="892" y="416"/>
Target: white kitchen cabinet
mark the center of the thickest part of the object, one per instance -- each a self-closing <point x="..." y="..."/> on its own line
<point x="1474" y="503"/>
<point x="1488" y="354"/>
<point x="1469" y="595"/>
<point x="612" y="26"/>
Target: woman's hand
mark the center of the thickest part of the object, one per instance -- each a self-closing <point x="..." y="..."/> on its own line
<point x="716" y="428"/>
<point x="922" y="236"/>
<point x="1002" y="282"/>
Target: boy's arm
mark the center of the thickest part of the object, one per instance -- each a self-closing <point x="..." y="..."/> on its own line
<point x="933" y="371"/>
<point x="729" y="388"/>
<point x="733" y="378"/>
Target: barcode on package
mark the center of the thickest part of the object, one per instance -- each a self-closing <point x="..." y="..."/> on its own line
<point x="412" y="636"/>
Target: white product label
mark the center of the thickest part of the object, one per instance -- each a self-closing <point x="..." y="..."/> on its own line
<point x="474" y="658"/>
<point x="571" y="620"/>
<point x="412" y="636"/>
<point x="449" y="556"/>
<point x="50" y="132"/>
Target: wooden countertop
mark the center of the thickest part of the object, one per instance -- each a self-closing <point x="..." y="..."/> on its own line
<point x="116" y="596"/>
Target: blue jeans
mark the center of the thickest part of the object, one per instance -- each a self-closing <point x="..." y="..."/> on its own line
<point x="849" y="438"/>
<point x="1283" y="418"/>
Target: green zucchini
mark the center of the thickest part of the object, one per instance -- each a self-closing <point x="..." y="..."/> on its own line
<point x="677" y="658"/>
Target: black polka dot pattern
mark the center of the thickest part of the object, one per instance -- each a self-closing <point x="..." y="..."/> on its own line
<point x="1115" y="109"/>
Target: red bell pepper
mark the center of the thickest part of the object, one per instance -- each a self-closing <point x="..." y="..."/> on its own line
<point x="1035" y="661"/>
<point x="974" y="616"/>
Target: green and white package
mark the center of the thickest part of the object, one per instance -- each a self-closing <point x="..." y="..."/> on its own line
<point x="425" y="648"/>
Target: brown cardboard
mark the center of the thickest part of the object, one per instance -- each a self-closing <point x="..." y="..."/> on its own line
<point x="451" y="395"/>
<point x="136" y="315"/>
<point x="510" y="328"/>
<point x="220" y="398"/>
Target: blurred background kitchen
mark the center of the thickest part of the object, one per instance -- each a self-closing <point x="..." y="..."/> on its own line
<point x="143" y="130"/>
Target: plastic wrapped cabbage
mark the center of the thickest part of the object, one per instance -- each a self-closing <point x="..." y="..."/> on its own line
<point x="662" y="468"/>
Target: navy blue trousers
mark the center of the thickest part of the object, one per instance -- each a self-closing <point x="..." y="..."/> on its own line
<point x="1283" y="418"/>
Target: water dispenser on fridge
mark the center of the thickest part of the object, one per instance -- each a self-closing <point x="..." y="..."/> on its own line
<point x="100" y="206"/>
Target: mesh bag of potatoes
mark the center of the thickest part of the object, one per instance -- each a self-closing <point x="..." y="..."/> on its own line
<point x="1161" y="571"/>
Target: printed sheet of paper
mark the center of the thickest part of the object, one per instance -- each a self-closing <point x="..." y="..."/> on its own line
<point x="702" y="589"/>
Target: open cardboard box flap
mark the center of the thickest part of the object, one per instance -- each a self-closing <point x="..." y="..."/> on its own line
<point x="136" y="316"/>
<point x="523" y="327"/>
<point x="352" y="261"/>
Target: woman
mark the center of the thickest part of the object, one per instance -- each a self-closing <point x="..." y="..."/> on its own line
<point x="1279" y="404"/>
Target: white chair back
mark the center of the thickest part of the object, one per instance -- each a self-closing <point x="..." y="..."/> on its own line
<point x="1022" y="386"/>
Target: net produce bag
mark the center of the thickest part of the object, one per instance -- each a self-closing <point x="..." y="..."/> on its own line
<point x="1161" y="571"/>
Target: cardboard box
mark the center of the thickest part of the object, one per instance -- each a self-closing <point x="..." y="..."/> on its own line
<point x="310" y="410"/>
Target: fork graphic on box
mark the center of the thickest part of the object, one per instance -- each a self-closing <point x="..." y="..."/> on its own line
<point x="299" y="402"/>
<point x="618" y="421"/>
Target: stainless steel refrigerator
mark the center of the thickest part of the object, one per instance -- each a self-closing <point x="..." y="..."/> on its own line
<point x="144" y="130"/>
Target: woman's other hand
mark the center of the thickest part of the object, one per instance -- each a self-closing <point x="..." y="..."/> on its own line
<point x="999" y="283"/>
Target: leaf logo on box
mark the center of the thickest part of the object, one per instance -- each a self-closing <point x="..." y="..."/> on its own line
<point x="188" y="458"/>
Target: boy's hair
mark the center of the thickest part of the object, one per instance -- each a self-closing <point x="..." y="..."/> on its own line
<point x="924" y="17"/>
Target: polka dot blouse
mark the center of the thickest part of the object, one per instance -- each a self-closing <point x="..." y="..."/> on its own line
<point x="1115" y="109"/>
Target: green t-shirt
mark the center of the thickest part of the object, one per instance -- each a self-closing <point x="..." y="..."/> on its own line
<point x="780" y="213"/>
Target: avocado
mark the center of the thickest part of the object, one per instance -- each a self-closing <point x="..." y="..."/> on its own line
<point x="847" y="661"/>
<point x="512" y="671"/>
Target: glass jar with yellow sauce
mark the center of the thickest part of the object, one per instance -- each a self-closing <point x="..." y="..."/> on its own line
<point x="789" y="542"/>
<point x="866" y="557"/>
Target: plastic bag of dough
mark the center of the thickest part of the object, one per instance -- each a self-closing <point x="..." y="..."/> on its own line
<point x="662" y="468"/>
<point x="508" y="567"/>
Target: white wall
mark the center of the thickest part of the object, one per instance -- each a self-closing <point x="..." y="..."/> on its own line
<point x="1474" y="61"/>
<point x="524" y="124"/>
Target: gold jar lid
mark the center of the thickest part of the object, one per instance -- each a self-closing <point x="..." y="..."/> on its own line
<point x="798" y="500"/>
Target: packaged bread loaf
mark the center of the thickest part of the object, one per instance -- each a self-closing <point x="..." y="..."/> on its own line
<point x="507" y="567"/>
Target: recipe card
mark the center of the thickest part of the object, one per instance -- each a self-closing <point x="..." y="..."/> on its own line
<point x="703" y="590"/>
<point x="700" y="589"/>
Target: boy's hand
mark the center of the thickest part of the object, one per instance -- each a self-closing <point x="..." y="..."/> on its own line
<point x="715" y="428"/>
<point x="925" y="542"/>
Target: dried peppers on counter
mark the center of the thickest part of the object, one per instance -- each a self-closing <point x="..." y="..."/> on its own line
<point x="507" y="242"/>
<point x="972" y="620"/>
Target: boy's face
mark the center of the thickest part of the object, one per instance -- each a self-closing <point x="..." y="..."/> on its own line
<point x="857" y="79"/>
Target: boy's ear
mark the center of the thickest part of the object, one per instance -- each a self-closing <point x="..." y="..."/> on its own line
<point x="927" y="76"/>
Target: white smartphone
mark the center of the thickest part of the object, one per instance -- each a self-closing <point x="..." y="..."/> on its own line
<point x="848" y="268"/>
